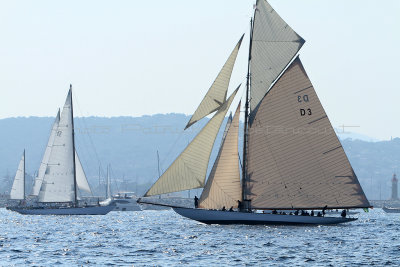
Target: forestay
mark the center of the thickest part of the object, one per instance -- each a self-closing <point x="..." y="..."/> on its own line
<point x="43" y="165"/>
<point x="189" y="170"/>
<point x="216" y="95"/>
<point x="18" y="187"/>
<point x="274" y="44"/>
<point x="295" y="159"/>
<point x="223" y="185"/>
<point x="58" y="181"/>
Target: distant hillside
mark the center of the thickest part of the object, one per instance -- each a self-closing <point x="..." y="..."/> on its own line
<point x="130" y="145"/>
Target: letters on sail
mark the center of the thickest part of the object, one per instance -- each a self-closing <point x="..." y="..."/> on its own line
<point x="43" y="165"/>
<point x="216" y="95"/>
<point x="18" y="187"/>
<point x="58" y="181"/>
<point x="274" y="45"/>
<point x="295" y="159"/>
<point x="189" y="169"/>
<point x="223" y="188"/>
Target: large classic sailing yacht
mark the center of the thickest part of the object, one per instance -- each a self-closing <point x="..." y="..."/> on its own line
<point x="61" y="175"/>
<point x="292" y="158"/>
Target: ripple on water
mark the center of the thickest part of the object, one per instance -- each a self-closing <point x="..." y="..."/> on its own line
<point x="165" y="238"/>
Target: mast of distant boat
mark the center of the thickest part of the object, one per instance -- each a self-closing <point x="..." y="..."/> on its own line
<point x="23" y="179"/>
<point x="246" y="121"/>
<point x="73" y="150"/>
<point x="108" y="189"/>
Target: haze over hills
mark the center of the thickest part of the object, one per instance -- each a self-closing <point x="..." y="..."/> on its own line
<point x="130" y="145"/>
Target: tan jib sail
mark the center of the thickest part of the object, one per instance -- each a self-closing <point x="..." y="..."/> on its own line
<point x="216" y="95"/>
<point x="223" y="188"/>
<point x="189" y="170"/>
<point x="274" y="44"/>
<point x="295" y="159"/>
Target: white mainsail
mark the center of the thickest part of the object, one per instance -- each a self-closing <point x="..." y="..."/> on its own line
<point x="18" y="187"/>
<point x="223" y="188"/>
<point x="43" y="165"/>
<point x="274" y="45"/>
<point x="216" y="95"/>
<point x="295" y="159"/>
<point x="81" y="180"/>
<point x="189" y="170"/>
<point x="58" y="182"/>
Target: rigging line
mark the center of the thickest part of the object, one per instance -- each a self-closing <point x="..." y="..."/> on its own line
<point x="112" y="174"/>
<point x="89" y="136"/>
<point x="173" y="147"/>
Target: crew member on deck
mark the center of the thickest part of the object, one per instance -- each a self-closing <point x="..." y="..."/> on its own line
<point x="343" y="214"/>
<point x="239" y="205"/>
<point x="323" y="210"/>
<point x="196" y="202"/>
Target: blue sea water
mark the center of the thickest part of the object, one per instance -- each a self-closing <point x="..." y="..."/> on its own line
<point x="163" y="238"/>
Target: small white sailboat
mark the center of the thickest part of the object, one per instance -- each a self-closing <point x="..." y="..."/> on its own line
<point x="18" y="187"/>
<point x="292" y="158"/>
<point x="108" y="199"/>
<point x="61" y="174"/>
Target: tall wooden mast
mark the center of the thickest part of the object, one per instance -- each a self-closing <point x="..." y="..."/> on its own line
<point x="246" y="121"/>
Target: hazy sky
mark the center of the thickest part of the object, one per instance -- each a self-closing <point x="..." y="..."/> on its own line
<point x="132" y="58"/>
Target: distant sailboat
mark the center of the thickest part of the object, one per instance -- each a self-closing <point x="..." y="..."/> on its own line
<point x="18" y="187"/>
<point x="122" y="201"/>
<point x="292" y="158"/>
<point x="108" y="199"/>
<point x="59" y="182"/>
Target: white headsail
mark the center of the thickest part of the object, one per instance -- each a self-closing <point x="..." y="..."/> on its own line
<point x="58" y="182"/>
<point x="18" y="187"/>
<point x="223" y="188"/>
<point x="81" y="180"/>
<point x="189" y="170"/>
<point x="216" y="95"/>
<point x="274" y="44"/>
<point x="43" y="165"/>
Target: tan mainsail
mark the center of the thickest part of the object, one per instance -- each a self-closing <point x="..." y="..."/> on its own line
<point x="189" y="170"/>
<point x="295" y="159"/>
<point x="274" y="44"/>
<point x="223" y="188"/>
<point x="216" y="95"/>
